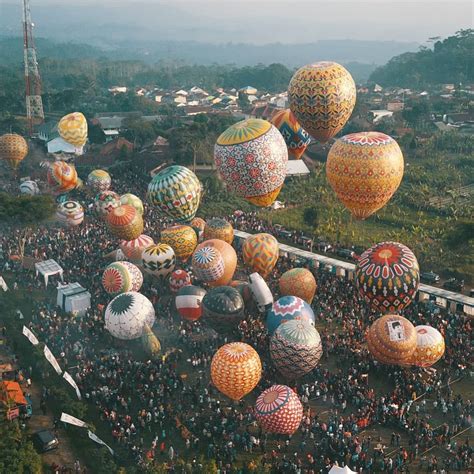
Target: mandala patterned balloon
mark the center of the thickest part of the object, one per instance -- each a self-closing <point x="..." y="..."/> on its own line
<point x="133" y="249"/>
<point x="134" y="201"/>
<point x="29" y="188"/>
<point x="251" y="157"/>
<point x="429" y="346"/>
<point x="260" y="253"/>
<point x="322" y="96"/>
<point x="188" y="302"/>
<point x="286" y="309"/>
<point x="295" y="348"/>
<point x="62" y="177"/>
<point x="236" y="370"/>
<point x="158" y="260"/>
<point x="99" y="180"/>
<point x="298" y="282"/>
<point x="177" y="192"/>
<point x="388" y="276"/>
<point x="121" y="277"/>
<point x="279" y="410"/>
<point x="182" y="239"/>
<point x="364" y="170"/>
<point x="179" y="279"/>
<point x="105" y="202"/>
<point x="70" y="213"/>
<point x="223" y="309"/>
<point x="127" y="315"/>
<point x="13" y="149"/>
<point x="219" y="229"/>
<point x="296" y="138"/>
<point x="73" y="129"/>
<point x="125" y="222"/>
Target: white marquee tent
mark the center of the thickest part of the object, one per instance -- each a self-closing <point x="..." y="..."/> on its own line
<point x="73" y="298"/>
<point x="48" y="268"/>
<point x="341" y="470"/>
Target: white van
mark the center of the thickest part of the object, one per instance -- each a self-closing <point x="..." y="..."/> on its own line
<point x="261" y="293"/>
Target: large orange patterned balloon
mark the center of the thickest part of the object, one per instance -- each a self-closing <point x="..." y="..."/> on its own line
<point x="13" y="149"/>
<point x="298" y="282"/>
<point x="429" y="346"/>
<point x="219" y="229"/>
<point x="392" y="339"/>
<point x="322" y="96"/>
<point x="260" y="253"/>
<point x="181" y="238"/>
<point x="62" y="177"/>
<point x="236" y="369"/>
<point x="296" y="138"/>
<point x="365" y="169"/>
<point x="125" y="222"/>
<point x="73" y="129"/>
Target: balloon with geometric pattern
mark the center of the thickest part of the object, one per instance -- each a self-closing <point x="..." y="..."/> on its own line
<point x="298" y="282"/>
<point x="188" y="302"/>
<point x="429" y="346"/>
<point x="296" y="138"/>
<point x="223" y="309"/>
<point x="260" y="253"/>
<point x="120" y="277"/>
<point x="364" y="170"/>
<point x="322" y="96"/>
<point x="236" y="370"/>
<point x="158" y="260"/>
<point x="70" y="213"/>
<point x="13" y="149"/>
<point x="62" y="177"/>
<point x="29" y="187"/>
<point x="388" y="276"/>
<point x="125" y="222"/>
<point x="286" y="309"/>
<point x="73" y="129"/>
<point x="181" y="238"/>
<point x="132" y="249"/>
<point x="179" y="279"/>
<point x="132" y="200"/>
<point x="176" y="191"/>
<point x="198" y="224"/>
<point x="105" y="201"/>
<point x="251" y="158"/>
<point x="217" y="228"/>
<point x="127" y="315"/>
<point x="279" y="410"/>
<point x="99" y="180"/>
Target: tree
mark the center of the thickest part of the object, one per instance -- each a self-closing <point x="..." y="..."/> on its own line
<point x="310" y="216"/>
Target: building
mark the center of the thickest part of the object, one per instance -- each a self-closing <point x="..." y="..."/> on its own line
<point x="115" y="147"/>
<point x="118" y="90"/>
<point x="58" y="145"/>
<point x="47" y="131"/>
<point x="111" y="126"/>
<point x="248" y="90"/>
<point x="191" y="110"/>
<point x="395" y="106"/>
<point x="379" y="115"/>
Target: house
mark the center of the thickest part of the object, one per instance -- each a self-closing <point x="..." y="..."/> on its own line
<point x="158" y="98"/>
<point x="458" y="118"/>
<point x="140" y="91"/>
<point x="252" y="98"/>
<point x="449" y="87"/>
<point x="115" y="147"/>
<point x="181" y="92"/>
<point x="378" y="115"/>
<point x="395" y="106"/>
<point x="198" y="92"/>
<point x="47" y="131"/>
<point x="180" y="99"/>
<point x="378" y="88"/>
<point x="58" y="145"/>
<point x="196" y="110"/>
<point x="111" y="126"/>
<point x="248" y="90"/>
<point x="118" y="90"/>
<point x="263" y="111"/>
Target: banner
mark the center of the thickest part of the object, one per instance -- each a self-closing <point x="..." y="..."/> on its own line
<point x="52" y="360"/>
<point x="72" y="420"/>
<point x="95" y="438"/>
<point x="73" y="384"/>
<point x="31" y="337"/>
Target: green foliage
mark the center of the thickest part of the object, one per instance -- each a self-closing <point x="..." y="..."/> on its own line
<point x="26" y="209"/>
<point x="310" y="216"/>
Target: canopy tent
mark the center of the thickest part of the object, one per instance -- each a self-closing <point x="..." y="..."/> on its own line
<point x="341" y="470"/>
<point x="48" y="268"/>
<point x="73" y="298"/>
<point x="296" y="168"/>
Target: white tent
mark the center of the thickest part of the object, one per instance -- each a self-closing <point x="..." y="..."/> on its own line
<point x="296" y="168"/>
<point x="341" y="470"/>
<point x="58" y="145"/>
<point x="3" y="284"/>
<point x="48" y="268"/>
<point x="73" y="298"/>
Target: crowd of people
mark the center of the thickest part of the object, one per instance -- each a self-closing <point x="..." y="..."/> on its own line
<point x="166" y="410"/>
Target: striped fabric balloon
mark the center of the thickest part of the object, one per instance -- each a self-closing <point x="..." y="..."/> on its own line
<point x="125" y="222"/>
<point x="189" y="302"/>
<point x="73" y="129"/>
<point x="132" y="249"/>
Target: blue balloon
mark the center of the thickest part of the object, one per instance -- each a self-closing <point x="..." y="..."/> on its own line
<point x="288" y="308"/>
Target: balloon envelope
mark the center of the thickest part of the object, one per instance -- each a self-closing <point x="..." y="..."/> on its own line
<point x="158" y="260"/>
<point x="125" y="222"/>
<point x="182" y="239"/>
<point x="260" y="253"/>
<point x="106" y="201"/>
<point x="134" y="201"/>
<point x="286" y="309"/>
<point x="29" y="188"/>
<point x="62" y="177"/>
<point x="151" y="344"/>
<point x="219" y="229"/>
<point x="223" y="308"/>
<point x="13" y="149"/>
<point x="298" y="282"/>
<point x="73" y="129"/>
<point x="121" y="277"/>
<point x="429" y="346"/>
<point x="296" y="138"/>
<point x="99" y="180"/>
<point x="70" y="213"/>
<point x="189" y="302"/>
<point x="132" y="249"/>
<point x="178" y="279"/>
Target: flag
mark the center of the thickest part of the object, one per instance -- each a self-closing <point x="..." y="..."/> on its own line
<point x="31" y="337"/>
<point x="95" y="438"/>
<point x="72" y="420"/>
<point x="73" y="384"/>
<point x="52" y="360"/>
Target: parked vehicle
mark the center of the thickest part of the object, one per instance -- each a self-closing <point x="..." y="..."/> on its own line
<point x="429" y="277"/>
<point x="323" y="246"/>
<point x="285" y="234"/>
<point x="45" y="441"/>
<point x="454" y="284"/>
<point x="345" y="253"/>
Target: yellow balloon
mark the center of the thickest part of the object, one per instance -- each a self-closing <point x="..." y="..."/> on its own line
<point x="73" y="129"/>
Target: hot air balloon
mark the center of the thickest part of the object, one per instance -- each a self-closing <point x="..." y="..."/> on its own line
<point x="125" y="222"/>
<point x="133" y="249"/>
<point x="219" y="229"/>
<point x="122" y="277"/>
<point x="106" y="201"/>
<point x="429" y="346"/>
<point x="243" y="287"/>
<point x="134" y="201"/>
<point x="296" y="138"/>
<point x="99" y="180"/>
<point x="223" y="308"/>
<point x="73" y="129"/>
<point x="127" y="314"/>
<point x="13" y="149"/>
<point x="261" y="293"/>
<point x="214" y="262"/>
<point x="236" y="369"/>
<point x="79" y="184"/>
<point x="158" y="260"/>
<point x="388" y="276"/>
<point x="70" y="213"/>
<point x="364" y="170"/>
<point x="29" y="187"/>
<point x="295" y="348"/>
<point x="322" y="96"/>
<point x="177" y="192"/>
<point x="198" y="224"/>
<point x="151" y="344"/>
<point x="188" y="302"/>
<point x="62" y="177"/>
<point x="298" y="282"/>
<point x="392" y="340"/>
<point x="288" y="308"/>
<point x="260" y="253"/>
<point x="178" y="279"/>
<point x="251" y="157"/>
<point x="279" y="410"/>
<point x="182" y="239"/>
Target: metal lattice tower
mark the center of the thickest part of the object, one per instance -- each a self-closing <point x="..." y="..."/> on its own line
<point x="34" y="104"/>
